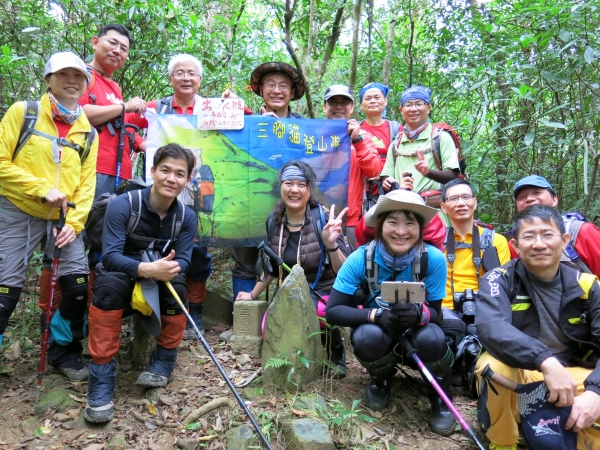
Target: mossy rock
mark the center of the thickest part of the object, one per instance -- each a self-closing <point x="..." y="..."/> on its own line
<point x="57" y="398"/>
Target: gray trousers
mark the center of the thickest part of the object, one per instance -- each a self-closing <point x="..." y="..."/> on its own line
<point x="20" y="234"/>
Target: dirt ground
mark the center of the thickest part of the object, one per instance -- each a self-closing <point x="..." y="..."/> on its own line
<point x="403" y="425"/>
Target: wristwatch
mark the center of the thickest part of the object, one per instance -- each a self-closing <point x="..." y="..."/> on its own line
<point x="378" y="313"/>
<point x="332" y="250"/>
<point x="358" y="139"/>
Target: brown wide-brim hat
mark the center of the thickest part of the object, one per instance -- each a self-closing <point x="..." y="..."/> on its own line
<point x="273" y="67"/>
<point x="400" y="200"/>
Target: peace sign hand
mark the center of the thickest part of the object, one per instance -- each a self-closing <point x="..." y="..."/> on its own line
<point x="333" y="229"/>
<point x="421" y="165"/>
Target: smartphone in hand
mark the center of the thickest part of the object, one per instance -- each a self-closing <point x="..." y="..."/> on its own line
<point x="402" y="292"/>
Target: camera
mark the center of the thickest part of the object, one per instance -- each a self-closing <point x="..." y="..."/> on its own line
<point x="464" y="302"/>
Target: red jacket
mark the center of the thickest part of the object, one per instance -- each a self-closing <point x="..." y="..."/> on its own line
<point x="364" y="162"/>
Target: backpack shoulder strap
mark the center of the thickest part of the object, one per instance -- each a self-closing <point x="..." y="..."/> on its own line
<point x="135" y="200"/>
<point x="490" y="258"/>
<point x="572" y="227"/>
<point x="318" y="220"/>
<point x="89" y="141"/>
<point x="270" y="225"/>
<point x="91" y="71"/>
<point x="178" y="220"/>
<point x="397" y="140"/>
<point x="420" y="263"/>
<point x="165" y="105"/>
<point x="436" y="133"/>
<point x="371" y="268"/>
<point x="30" y="118"/>
<point x="573" y="224"/>
<point x="394" y="127"/>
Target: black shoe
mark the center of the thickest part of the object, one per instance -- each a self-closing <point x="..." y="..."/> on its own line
<point x="441" y="419"/>
<point x="337" y="355"/>
<point x="377" y="394"/>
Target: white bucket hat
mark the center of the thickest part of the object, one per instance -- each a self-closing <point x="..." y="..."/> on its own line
<point x="65" y="60"/>
<point x="400" y="200"/>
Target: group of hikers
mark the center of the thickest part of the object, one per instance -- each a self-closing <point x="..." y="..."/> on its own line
<point x="528" y="308"/>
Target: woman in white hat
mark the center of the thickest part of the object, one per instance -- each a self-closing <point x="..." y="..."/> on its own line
<point x="48" y="153"/>
<point x="398" y="253"/>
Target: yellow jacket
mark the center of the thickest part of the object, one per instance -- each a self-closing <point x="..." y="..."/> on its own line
<point x="27" y="179"/>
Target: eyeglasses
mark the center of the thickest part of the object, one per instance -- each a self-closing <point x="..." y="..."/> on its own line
<point x="417" y="105"/>
<point x="283" y="87"/>
<point x="455" y="198"/>
<point x="335" y="103"/>
<point x="545" y="238"/>
<point x="117" y="45"/>
<point x="180" y="74"/>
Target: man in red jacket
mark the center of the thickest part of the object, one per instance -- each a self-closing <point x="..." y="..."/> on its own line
<point x="364" y="160"/>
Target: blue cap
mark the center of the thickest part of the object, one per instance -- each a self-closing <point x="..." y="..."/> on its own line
<point x="416" y="93"/>
<point x="532" y="180"/>
<point x="382" y="87"/>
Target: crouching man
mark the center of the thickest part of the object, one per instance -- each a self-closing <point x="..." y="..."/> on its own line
<point x="540" y="320"/>
<point x="162" y="222"/>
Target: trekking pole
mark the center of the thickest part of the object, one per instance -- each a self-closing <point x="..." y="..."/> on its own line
<point x="122" y="146"/>
<point x="48" y="313"/>
<point x="410" y="350"/>
<point x="153" y="257"/>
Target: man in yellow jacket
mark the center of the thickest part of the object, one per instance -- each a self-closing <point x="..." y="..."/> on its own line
<point x="48" y="153"/>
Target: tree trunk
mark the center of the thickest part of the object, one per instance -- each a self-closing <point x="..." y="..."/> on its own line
<point x="336" y="29"/>
<point x="387" y="60"/>
<point x="355" y="42"/>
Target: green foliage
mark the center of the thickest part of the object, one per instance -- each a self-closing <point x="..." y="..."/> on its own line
<point x="344" y="422"/>
<point x="521" y="82"/>
<point x="280" y="362"/>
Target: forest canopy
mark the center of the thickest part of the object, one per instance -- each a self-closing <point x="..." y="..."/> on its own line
<point x="519" y="80"/>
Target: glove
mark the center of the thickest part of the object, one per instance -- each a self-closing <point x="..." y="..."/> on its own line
<point x="408" y="314"/>
<point x="388" y="323"/>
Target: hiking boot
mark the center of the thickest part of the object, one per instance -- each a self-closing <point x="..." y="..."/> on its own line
<point x="74" y="374"/>
<point x="377" y="394"/>
<point x="190" y="335"/>
<point x="337" y="355"/>
<point x="101" y="388"/>
<point x="99" y="414"/>
<point x="162" y="364"/>
<point x="196" y="315"/>
<point x="503" y="447"/>
<point x="441" y="419"/>
<point x="150" y="379"/>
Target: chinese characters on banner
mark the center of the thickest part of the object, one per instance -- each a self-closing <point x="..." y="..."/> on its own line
<point x="217" y="114"/>
<point x="234" y="184"/>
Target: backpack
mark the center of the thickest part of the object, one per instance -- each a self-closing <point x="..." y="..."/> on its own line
<point x="165" y="105"/>
<point x="489" y="260"/>
<point x="573" y="222"/>
<point x="436" y="133"/>
<point x="372" y="269"/>
<point x="318" y="221"/>
<point x="95" y="221"/>
<point x="31" y="115"/>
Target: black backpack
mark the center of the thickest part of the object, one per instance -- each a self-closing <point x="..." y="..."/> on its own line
<point x="95" y="222"/>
